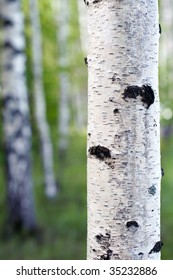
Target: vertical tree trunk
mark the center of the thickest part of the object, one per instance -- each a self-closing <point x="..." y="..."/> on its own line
<point x="79" y="104"/>
<point x="82" y="25"/>
<point x="123" y="130"/>
<point x="166" y="43"/>
<point x="16" y="118"/>
<point x="62" y="11"/>
<point x="40" y="106"/>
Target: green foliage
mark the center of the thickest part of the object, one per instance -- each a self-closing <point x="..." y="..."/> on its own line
<point x="166" y="201"/>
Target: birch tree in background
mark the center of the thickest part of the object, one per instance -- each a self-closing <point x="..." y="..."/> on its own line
<point x="79" y="85"/>
<point x="16" y="118"/>
<point x="166" y="48"/>
<point x="123" y="130"/>
<point x="40" y="105"/>
<point x="61" y="10"/>
<point x="82" y="25"/>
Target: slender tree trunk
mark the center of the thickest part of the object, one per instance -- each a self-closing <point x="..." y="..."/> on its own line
<point x="82" y="25"/>
<point x="166" y="47"/>
<point x="79" y="85"/>
<point x="16" y="118"/>
<point x="40" y="105"/>
<point x="62" y="11"/>
<point x="79" y="106"/>
<point x="123" y="130"/>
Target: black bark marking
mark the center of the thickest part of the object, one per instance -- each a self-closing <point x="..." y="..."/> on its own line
<point x="116" y="111"/>
<point x="146" y="92"/>
<point x="157" y="247"/>
<point x="113" y="78"/>
<point x="140" y="254"/>
<point x="162" y="172"/>
<point x="86" y="61"/>
<point x="104" y="241"/>
<point x="8" y="67"/>
<point x="160" y="29"/>
<point x="99" y="237"/>
<point x="107" y="256"/>
<point x="130" y="224"/>
<point x="7" y="22"/>
<point x="86" y="2"/>
<point x="100" y="152"/>
<point x="9" y="45"/>
<point x="147" y="95"/>
<point x="97" y="1"/>
<point x="152" y="190"/>
<point x="131" y="92"/>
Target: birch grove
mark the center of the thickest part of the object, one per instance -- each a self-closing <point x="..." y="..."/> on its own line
<point x="40" y="105"/>
<point x="16" y="123"/>
<point x="123" y="130"/>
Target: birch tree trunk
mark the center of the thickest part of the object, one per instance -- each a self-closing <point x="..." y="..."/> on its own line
<point x="82" y="25"/>
<point x="40" y="105"/>
<point x="123" y="130"/>
<point x="62" y="11"/>
<point x="166" y="47"/>
<point x="16" y="118"/>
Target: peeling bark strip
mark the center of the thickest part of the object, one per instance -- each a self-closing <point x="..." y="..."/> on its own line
<point x="157" y="247"/>
<point x="146" y="92"/>
<point x="100" y="152"/>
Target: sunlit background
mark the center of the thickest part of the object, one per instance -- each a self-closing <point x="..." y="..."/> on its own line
<point x="62" y="219"/>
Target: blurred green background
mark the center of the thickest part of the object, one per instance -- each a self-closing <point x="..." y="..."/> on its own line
<point x="62" y="220"/>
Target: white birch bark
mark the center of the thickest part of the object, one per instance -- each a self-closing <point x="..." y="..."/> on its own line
<point x="16" y="118"/>
<point x="123" y="130"/>
<point x="61" y="9"/>
<point x="40" y="105"/>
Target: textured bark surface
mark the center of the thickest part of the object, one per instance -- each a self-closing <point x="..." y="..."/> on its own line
<point x="16" y="117"/>
<point x="40" y="105"/>
<point x="123" y="130"/>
